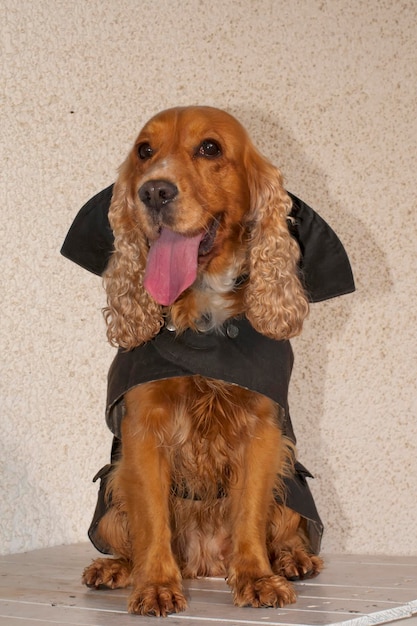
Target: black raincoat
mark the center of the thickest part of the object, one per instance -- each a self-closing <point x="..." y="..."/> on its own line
<point x="240" y="355"/>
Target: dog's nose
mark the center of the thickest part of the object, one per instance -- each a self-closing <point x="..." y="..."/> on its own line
<point x="155" y="194"/>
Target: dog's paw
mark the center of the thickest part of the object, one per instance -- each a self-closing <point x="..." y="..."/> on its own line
<point x="261" y="592"/>
<point x="107" y="573"/>
<point x="297" y="565"/>
<point x="157" y="599"/>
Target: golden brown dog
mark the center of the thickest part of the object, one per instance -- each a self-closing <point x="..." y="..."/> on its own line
<point x="200" y="220"/>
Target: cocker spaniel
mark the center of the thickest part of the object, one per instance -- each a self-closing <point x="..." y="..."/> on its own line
<point x="202" y="250"/>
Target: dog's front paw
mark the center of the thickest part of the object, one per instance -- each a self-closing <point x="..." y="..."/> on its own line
<point x="265" y="591"/>
<point x="157" y="599"/>
<point x="108" y="573"/>
<point x="297" y="565"/>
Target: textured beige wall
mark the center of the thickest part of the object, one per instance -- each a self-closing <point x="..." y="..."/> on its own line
<point x="327" y="89"/>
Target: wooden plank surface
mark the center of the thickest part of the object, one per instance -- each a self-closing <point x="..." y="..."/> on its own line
<point x="43" y="587"/>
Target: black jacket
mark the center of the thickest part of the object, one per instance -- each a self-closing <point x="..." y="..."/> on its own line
<point x="240" y="355"/>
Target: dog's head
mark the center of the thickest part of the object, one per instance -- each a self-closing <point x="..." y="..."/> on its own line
<point x="200" y="225"/>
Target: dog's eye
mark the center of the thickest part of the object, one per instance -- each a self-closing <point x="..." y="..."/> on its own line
<point x="209" y="149"/>
<point x="144" y="151"/>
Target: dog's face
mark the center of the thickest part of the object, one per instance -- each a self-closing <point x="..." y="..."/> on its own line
<point x="186" y="175"/>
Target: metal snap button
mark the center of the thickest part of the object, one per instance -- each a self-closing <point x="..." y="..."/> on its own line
<point x="232" y="331"/>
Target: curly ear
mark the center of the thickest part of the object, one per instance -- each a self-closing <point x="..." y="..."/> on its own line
<point x="132" y="316"/>
<point x="275" y="299"/>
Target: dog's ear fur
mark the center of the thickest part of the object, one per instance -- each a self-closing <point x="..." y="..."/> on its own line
<point x="132" y="316"/>
<point x="276" y="304"/>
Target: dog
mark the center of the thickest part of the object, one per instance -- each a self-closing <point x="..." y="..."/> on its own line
<point x="203" y="251"/>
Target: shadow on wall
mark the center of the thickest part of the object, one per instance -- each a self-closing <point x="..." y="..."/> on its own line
<point x="328" y="323"/>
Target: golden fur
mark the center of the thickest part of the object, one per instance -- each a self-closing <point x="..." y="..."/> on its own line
<point x="201" y="434"/>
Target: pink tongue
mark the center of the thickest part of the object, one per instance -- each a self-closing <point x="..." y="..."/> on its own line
<point x="171" y="266"/>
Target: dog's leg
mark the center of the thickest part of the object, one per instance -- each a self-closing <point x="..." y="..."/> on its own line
<point x="289" y="547"/>
<point x="145" y="481"/>
<point x="250" y="574"/>
<point x="111" y="573"/>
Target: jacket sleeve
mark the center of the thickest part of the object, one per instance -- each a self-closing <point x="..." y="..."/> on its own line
<point x="325" y="266"/>
<point x="89" y="241"/>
